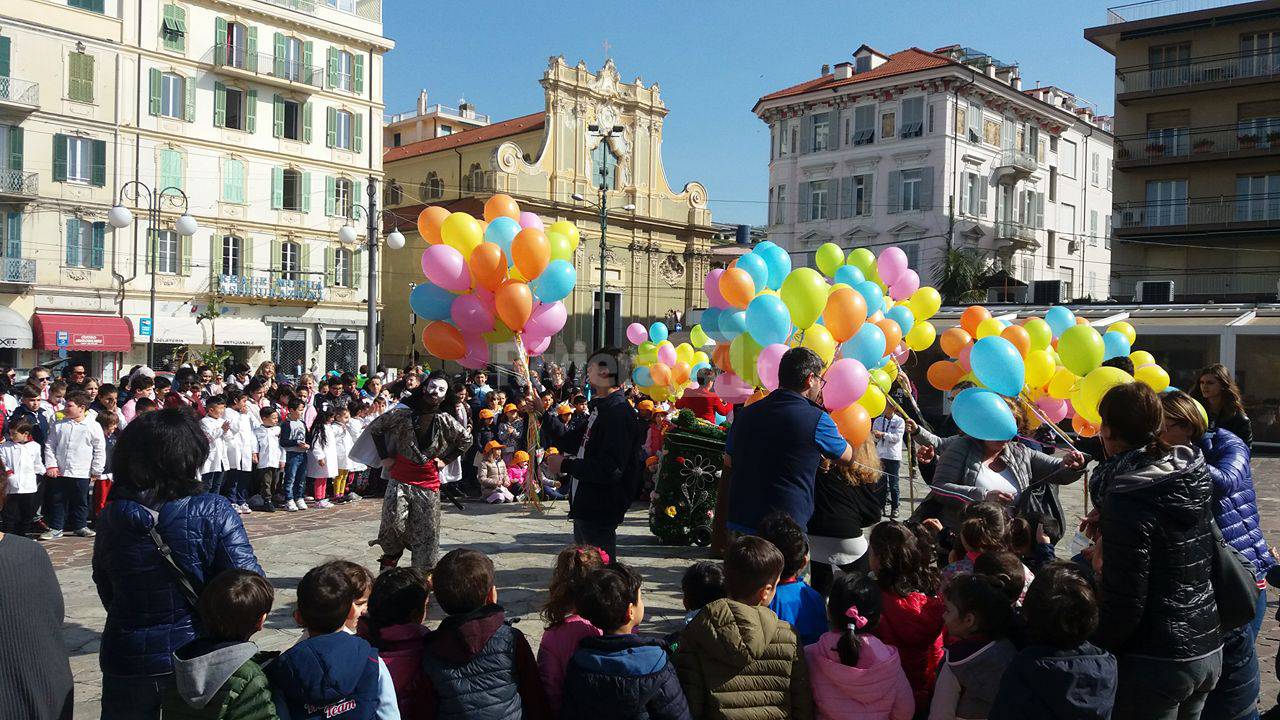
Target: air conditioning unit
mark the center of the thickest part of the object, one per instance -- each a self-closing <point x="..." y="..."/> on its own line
<point x="1153" y="291"/>
<point x="1048" y="292"/>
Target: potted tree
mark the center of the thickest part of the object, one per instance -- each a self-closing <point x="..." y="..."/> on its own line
<point x="1202" y="146"/>
<point x="1273" y="137"/>
<point x="1155" y="149"/>
<point x="1247" y="140"/>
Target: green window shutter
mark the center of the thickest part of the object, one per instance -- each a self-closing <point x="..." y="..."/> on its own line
<point x="246" y="255"/>
<point x="358" y="70"/>
<point x="306" y="122"/>
<point x="180" y="21"/>
<point x="171" y="168"/>
<point x="306" y="193"/>
<point x="219" y="41"/>
<point x="189" y="87"/>
<point x="277" y="188"/>
<point x="98" y="176"/>
<point x="278" y="51"/>
<point x="4" y="56"/>
<point x="219" y="105"/>
<point x="330" y="199"/>
<point x="357" y="132"/>
<point x="305" y="72"/>
<point x="184" y="248"/>
<point x="232" y="181"/>
<point x="330" y="277"/>
<point x="331" y="127"/>
<point x="215" y="260"/>
<point x="72" y="258"/>
<point x="80" y="77"/>
<point x="304" y="259"/>
<point x="152" y="236"/>
<point x="277" y="115"/>
<point x="357" y="193"/>
<point x="357" y="269"/>
<point x="15" y="148"/>
<point x="276" y="261"/>
<point x="59" y="158"/>
<point x="251" y="110"/>
<point x="153" y="105"/>
<point x="13" y="238"/>
<point x="98" y="251"/>
<point x="333" y="68"/>
<point x="251" y="49"/>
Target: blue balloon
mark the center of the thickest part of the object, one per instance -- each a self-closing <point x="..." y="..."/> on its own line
<point x="778" y="262"/>
<point x="733" y="324"/>
<point x="997" y="364"/>
<point x="1060" y="319"/>
<point x="697" y="368"/>
<point x="867" y="346"/>
<point x="871" y="293"/>
<point x="755" y="266"/>
<point x="657" y="333"/>
<point x="710" y="322"/>
<point x="1114" y="345"/>
<point x="901" y="314"/>
<point x="642" y="376"/>
<point x="768" y="320"/>
<point x="431" y="302"/>
<point x="849" y="275"/>
<point x="555" y="282"/>
<point x="983" y="415"/>
<point x="501" y="232"/>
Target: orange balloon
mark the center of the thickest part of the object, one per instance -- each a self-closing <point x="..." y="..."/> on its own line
<point x="514" y="303"/>
<point x="444" y="340"/>
<point x="1020" y="338"/>
<point x="660" y="373"/>
<point x="954" y="341"/>
<point x="1083" y="427"/>
<point x="1082" y="321"/>
<point x="845" y="313"/>
<point x="944" y="374"/>
<point x="488" y="265"/>
<point x="501" y="206"/>
<point x="429" y="222"/>
<point x="720" y="356"/>
<point x="854" y="424"/>
<point x="737" y="287"/>
<point x="531" y="252"/>
<point x="680" y="373"/>
<point x="892" y="334"/>
<point x="971" y="317"/>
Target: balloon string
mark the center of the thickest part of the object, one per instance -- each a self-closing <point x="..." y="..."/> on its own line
<point x="1052" y="425"/>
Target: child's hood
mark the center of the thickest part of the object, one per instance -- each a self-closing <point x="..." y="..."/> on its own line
<point x="202" y="667"/>
<point x="734" y="632"/>
<point x="460" y="638"/>
<point x="876" y="674"/>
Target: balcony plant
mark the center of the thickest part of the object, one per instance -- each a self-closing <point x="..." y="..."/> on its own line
<point x="1273" y="137"/>
<point x="1202" y="146"/>
<point x="1247" y="141"/>
<point x="1155" y="149"/>
<point x="1124" y="152"/>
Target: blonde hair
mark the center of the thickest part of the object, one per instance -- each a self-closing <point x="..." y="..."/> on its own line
<point x="1181" y="408"/>
<point x="865" y="469"/>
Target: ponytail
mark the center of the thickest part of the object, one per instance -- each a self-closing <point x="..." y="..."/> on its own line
<point x="853" y="609"/>
<point x="850" y="645"/>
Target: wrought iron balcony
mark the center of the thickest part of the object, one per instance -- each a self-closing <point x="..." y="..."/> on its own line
<point x="1227" y="212"/>
<point x="1015" y="164"/>
<point x="262" y="287"/>
<point x="367" y="9"/>
<point x="1017" y="234"/>
<point x="18" y="184"/>
<point x="236" y="61"/>
<point x="1132" y="12"/>
<point x="1195" y="73"/>
<point x="17" y="271"/>
<point x="1192" y="144"/>
<point x="1256" y="284"/>
<point x="19" y="95"/>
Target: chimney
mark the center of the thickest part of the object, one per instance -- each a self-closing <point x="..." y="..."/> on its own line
<point x="991" y="70"/>
<point x="1015" y="81"/>
<point x="826" y="69"/>
<point x="464" y="108"/>
<point x="422" y="102"/>
<point x="844" y="71"/>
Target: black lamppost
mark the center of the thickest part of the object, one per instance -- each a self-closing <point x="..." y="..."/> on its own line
<point x="603" y="206"/>
<point x="395" y="241"/>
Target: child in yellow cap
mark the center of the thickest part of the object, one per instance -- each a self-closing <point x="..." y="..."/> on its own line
<point x="493" y="475"/>
<point x="518" y="472"/>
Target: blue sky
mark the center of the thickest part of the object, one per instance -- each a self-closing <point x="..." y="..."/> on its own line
<point x="714" y="59"/>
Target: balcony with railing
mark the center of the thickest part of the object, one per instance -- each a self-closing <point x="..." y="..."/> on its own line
<point x="468" y="114"/>
<point x="1223" y="213"/>
<point x="1132" y="12"/>
<point x="1177" y="145"/>
<point x="17" y="271"/>
<point x="1195" y="284"/>
<point x="1205" y="73"/>
<point x="18" y="184"/>
<point x="263" y="287"/>
<point x="235" y="61"/>
<point x="17" y="95"/>
<point x="1017" y="234"/>
<point x="1014" y="165"/>
<point x="366" y="9"/>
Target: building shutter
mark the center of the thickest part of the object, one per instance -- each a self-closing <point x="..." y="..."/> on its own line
<point x="806" y="194"/>
<point x="59" y="158"/>
<point x="357" y="269"/>
<point x="219" y="41"/>
<point x="246" y="256"/>
<point x="304" y="259"/>
<point x="277" y="255"/>
<point x="251" y="49"/>
<point x="251" y="110"/>
<point x="98" y="174"/>
<point x="926" y="188"/>
<point x="332" y="67"/>
<point x="306" y="71"/>
<point x="806" y="134"/>
<point x="306" y="122"/>
<point x="15" y="148"/>
<point x="330" y="193"/>
<point x="13" y="238"/>
<point x="152" y="237"/>
<point x="72" y="258"/>
<point x="98" y="251"/>
<point x="357" y="65"/>
<point x="964" y="193"/>
<point x="189" y="88"/>
<point x="331" y="129"/>
<point x="215" y="260"/>
<point x="153" y="105"/>
<point x="357" y="133"/>
<point x="1040" y="210"/>
<point x="184" y="254"/>
<point x="895" y="191"/>
<point x="277" y="188"/>
<point x="219" y="105"/>
<point x="833" y="136"/>
<point x="306" y="193"/>
<point x="357" y="194"/>
<point x="330" y="277"/>
<point x="278" y="53"/>
<point x="277" y="115"/>
<point x="982" y="198"/>
<point x="5" y="44"/>
<point x="846" y="197"/>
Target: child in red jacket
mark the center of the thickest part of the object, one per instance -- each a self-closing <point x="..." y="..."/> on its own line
<point x="911" y="616"/>
<point x="393" y="625"/>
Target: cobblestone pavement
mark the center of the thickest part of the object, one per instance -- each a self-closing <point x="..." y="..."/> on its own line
<point x="522" y="544"/>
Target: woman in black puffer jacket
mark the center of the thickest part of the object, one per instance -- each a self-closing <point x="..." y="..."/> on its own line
<point x="1156" y="606"/>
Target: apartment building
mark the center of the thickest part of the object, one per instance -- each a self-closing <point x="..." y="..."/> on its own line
<point x="428" y="121"/>
<point x="931" y="150"/>
<point x="250" y="115"/>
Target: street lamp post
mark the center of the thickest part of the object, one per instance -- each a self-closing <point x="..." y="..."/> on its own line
<point x="395" y="241"/>
<point x="121" y="217"/>
<point x="603" y="207"/>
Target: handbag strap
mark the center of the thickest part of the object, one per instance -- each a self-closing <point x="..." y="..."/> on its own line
<point x="184" y="583"/>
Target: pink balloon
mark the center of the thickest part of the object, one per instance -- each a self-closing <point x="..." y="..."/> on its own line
<point x="847" y="381"/>
<point x="1071" y="409"/>
<point x="667" y="355"/>
<point x="767" y="365"/>
<point x="901" y="353"/>
<point x="546" y="320"/>
<point x="485" y="296"/>
<point x="637" y="333"/>
<point x="445" y="267"/>
<point x="1053" y="408"/>
<point x="470" y="315"/>
<point x="530" y="220"/>
<point x="732" y="389"/>
<point x="964" y="358"/>
<point x="536" y="345"/>
<point x="891" y="264"/>
<point x="477" y="356"/>
<point x="712" y="287"/>
<point x="906" y="285"/>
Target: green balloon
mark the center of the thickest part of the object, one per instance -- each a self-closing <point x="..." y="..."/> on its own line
<point x="864" y="260"/>
<point x="499" y="334"/>
<point x="743" y="352"/>
<point x="646" y="353"/>
<point x="805" y="293"/>
<point x="561" y="246"/>
<point x="1081" y="349"/>
<point x="829" y="258"/>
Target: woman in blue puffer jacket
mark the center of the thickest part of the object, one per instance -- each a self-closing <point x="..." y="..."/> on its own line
<point x="157" y="462"/>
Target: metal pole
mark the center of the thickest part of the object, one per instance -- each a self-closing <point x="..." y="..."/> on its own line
<point x="153" y="218"/>
<point x="371" y="330"/>
<point x="604" y="226"/>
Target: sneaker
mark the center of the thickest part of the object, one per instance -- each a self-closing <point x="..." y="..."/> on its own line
<point x="51" y="534"/>
<point x="302" y="504"/>
<point x="324" y="504"/>
<point x="268" y="507"/>
<point x="291" y="506"/>
<point x="85" y="533"/>
<point x="353" y="497"/>
<point x="245" y="509"/>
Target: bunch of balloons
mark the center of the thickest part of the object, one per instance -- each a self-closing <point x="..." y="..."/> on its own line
<point x="1052" y="363"/>
<point x="492" y="281"/>
<point x="869" y="311"/>
<point x="663" y="370"/>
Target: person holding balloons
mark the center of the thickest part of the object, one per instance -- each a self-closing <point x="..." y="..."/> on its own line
<point x="703" y="400"/>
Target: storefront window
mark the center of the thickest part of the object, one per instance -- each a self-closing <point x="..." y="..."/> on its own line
<point x="1181" y="355"/>
<point x="1258" y="375"/>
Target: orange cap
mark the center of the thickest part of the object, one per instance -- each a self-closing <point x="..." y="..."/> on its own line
<point x="509" y="407"/>
<point x="521" y="456"/>
<point x="492" y="445"/>
<point x="486" y="413"/>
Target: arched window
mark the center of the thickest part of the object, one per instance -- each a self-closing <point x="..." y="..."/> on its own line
<point x="394" y="194"/>
<point x="232" y="256"/>
<point x="290" y="261"/>
<point x="343" y="197"/>
<point x="432" y="188"/>
<point x="342" y="271"/>
<point x="475" y="178"/>
<point x="603" y="157"/>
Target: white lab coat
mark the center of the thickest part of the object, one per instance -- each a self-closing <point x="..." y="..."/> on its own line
<point x="328" y="453"/>
<point x="218" y="441"/>
<point x="270" y="454"/>
<point x="77" y="448"/>
<point x="22" y="462"/>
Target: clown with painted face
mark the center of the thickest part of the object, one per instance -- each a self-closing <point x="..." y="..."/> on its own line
<point x="414" y="441"/>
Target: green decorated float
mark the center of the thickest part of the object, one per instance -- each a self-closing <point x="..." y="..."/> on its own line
<point x="684" y="494"/>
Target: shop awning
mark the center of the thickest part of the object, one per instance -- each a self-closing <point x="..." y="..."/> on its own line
<point x="174" y="331"/>
<point x="230" y="332"/>
<point x="240" y="332"/>
<point x="95" y="333"/>
<point x="15" y="330"/>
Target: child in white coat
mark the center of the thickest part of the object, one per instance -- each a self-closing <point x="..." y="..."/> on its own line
<point x="240" y="449"/>
<point x="322" y="458"/>
<point x="217" y="428"/>
<point x="269" y="458"/>
<point x="22" y="463"/>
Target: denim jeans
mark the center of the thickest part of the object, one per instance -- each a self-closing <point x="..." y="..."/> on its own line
<point x="889" y="481"/>
<point x="295" y="475"/>
<point x="1155" y="689"/>
<point x="212" y="482"/>
<point x="234" y="485"/>
<point x="134" y="698"/>
<point x="67" y="495"/>
<point x="1236" y="694"/>
<point x="601" y="535"/>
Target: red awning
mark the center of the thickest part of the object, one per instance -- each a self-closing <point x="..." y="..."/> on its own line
<point x="98" y="333"/>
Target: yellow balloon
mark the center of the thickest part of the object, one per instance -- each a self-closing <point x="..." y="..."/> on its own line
<point x="1141" y="357"/>
<point x="1124" y="329"/>
<point x="989" y="327"/>
<point x="684" y="353"/>
<point x="566" y="228"/>
<point x="819" y="340"/>
<point x="1153" y="376"/>
<point x="698" y="336"/>
<point x="924" y="303"/>
<point x="873" y="401"/>
<point x="700" y="358"/>
<point x="1061" y="383"/>
<point x="461" y="232"/>
<point x="892" y="370"/>
<point x="1039" y="332"/>
<point x="1039" y="368"/>
<point x="881" y="379"/>
<point x="561" y="246"/>
<point x="921" y="336"/>
<point x="1096" y="384"/>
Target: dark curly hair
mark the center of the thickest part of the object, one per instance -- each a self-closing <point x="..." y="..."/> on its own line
<point x="984" y="527"/>
<point x="905" y="560"/>
<point x="574" y="565"/>
<point x="1061" y="608"/>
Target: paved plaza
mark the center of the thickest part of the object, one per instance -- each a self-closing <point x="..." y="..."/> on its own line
<point x="522" y="544"/>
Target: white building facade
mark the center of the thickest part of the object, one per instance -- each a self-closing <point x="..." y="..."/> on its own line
<point x="926" y="150"/>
